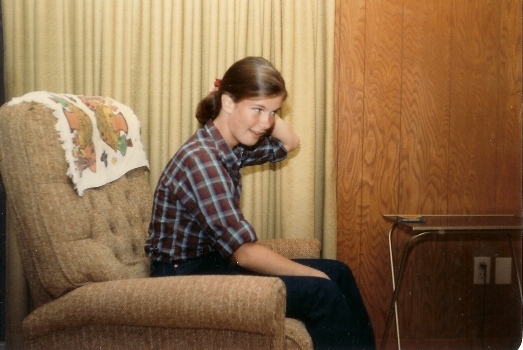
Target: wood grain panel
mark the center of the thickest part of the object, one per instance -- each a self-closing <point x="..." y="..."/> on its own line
<point x="424" y="153"/>
<point x="474" y="101"/>
<point x="382" y="108"/>
<point x="429" y="121"/>
<point x="349" y="75"/>
<point x="425" y="106"/>
<point x="509" y="149"/>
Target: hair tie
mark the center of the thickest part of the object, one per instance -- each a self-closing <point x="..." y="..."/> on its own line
<point x="215" y="86"/>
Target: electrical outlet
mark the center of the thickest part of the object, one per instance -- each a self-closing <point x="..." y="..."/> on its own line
<point x="503" y="271"/>
<point x="481" y="275"/>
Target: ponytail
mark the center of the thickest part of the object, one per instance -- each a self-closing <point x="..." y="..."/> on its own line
<point x="209" y="107"/>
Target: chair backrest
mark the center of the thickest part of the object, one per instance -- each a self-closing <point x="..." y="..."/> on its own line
<point x="67" y="240"/>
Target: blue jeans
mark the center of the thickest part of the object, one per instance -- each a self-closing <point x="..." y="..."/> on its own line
<point x="332" y="311"/>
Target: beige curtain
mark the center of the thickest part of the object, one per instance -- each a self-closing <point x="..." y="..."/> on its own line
<point x="161" y="56"/>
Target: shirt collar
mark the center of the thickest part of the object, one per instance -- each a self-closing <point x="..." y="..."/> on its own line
<point x="226" y="153"/>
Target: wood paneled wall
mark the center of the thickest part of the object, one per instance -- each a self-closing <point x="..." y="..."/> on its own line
<point x="429" y="121"/>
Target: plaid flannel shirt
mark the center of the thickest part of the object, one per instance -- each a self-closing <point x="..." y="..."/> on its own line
<point x="196" y="207"/>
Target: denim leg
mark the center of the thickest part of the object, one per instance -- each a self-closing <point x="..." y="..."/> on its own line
<point x="212" y="264"/>
<point x="340" y="320"/>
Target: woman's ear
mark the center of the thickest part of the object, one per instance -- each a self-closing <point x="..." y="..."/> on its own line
<point x="227" y="103"/>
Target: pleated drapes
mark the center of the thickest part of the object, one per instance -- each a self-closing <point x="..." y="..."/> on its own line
<point x="161" y="56"/>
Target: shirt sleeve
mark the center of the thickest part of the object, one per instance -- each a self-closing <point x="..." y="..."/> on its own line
<point x="217" y="201"/>
<point x="268" y="149"/>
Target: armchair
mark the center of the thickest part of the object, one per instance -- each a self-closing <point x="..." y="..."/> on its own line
<point x="78" y="275"/>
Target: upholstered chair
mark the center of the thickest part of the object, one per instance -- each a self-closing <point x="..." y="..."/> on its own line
<point x="77" y="274"/>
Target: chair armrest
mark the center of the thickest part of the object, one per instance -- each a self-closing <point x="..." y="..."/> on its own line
<point x="241" y="303"/>
<point x="298" y="248"/>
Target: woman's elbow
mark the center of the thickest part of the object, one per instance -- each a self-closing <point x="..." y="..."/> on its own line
<point x="292" y="144"/>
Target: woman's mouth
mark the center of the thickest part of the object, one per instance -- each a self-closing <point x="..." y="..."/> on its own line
<point x="258" y="133"/>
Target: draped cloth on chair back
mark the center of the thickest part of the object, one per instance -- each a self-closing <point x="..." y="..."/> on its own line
<point x="65" y="240"/>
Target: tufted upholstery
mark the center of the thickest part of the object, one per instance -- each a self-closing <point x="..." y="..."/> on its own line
<point x="78" y="240"/>
<point x="87" y="273"/>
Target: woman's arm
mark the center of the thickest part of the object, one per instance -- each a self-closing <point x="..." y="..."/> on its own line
<point x="285" y="134"/>
<point x="258" y="258"/>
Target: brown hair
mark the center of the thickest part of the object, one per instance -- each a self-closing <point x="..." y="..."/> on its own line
<point x="250" y="77"/>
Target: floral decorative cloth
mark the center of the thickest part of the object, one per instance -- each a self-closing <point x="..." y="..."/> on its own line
<point x="100" y="136"/>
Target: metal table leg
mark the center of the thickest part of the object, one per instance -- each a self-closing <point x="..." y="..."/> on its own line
<point x="396" y="283"/>
<point x="516" y="265"/>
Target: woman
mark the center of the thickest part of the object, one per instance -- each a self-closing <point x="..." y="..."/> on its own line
<point x="197" y="225"/>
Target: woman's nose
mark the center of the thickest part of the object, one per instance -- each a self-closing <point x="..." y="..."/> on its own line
<point x="265" y="121"/>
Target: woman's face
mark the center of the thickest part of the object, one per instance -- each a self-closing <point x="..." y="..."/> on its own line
<point x="250" y="119"/>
